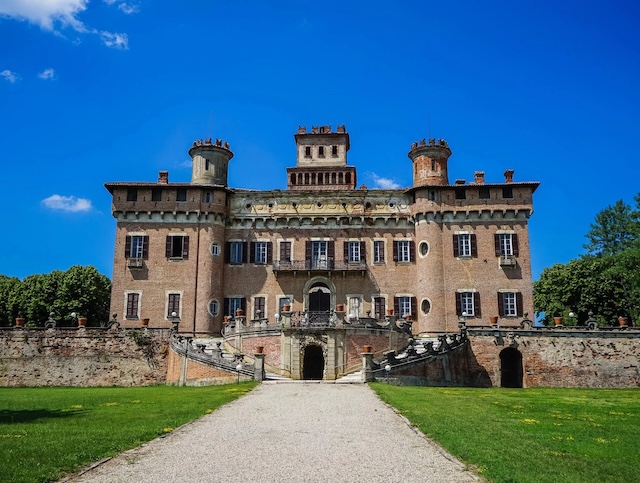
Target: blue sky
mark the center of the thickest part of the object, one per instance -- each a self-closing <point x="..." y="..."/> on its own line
<point x="98" y="91"/>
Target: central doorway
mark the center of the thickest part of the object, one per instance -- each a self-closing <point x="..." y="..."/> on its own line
<point x="319" y="299"/>
<point x="313" y="363"/>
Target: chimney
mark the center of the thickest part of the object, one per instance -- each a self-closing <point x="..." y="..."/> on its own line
<point x="478" y="177"/>
<point x="508" y="176"/>
<point x="163" y="177"/>
<point x="460" y="181"/>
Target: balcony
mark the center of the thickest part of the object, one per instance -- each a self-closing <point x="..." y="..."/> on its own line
<point x="319" y="265"/>
<point x="135" y="263"/>
<point x="507" y="261"/>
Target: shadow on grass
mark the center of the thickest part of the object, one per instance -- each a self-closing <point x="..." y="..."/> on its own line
<point x="29" y="415"/>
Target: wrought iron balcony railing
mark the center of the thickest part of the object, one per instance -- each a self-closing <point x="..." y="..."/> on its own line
<point x="319" y="265"/>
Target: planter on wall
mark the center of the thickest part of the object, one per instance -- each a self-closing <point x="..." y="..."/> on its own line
<point x="558" y="320"/>
<point x="20" y="321"/>
<point x="145" y="322"/>
<point x="493" y="319"/>
<point x="389" y="311"/>
<point x="286" y="308"/>
<point x="260" y="349"/>
<point x="367" y="349"/>
<point x="239" y="312"/>
<point x="340" y="308"/>
<point x="623" y="321"/>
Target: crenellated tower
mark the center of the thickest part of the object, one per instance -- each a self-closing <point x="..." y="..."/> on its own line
<point x="430" y="162"/>
<point x="210" y="162"/>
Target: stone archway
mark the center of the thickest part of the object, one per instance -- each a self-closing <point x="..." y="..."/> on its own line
<point x="313" y="363"/>
<point x="511" y="368"/>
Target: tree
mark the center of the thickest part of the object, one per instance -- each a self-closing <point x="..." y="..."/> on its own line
<point x="615" y="229"/>
<point x="82" y="290"/>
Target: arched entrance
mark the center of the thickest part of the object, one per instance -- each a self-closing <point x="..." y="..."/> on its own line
<point x="313" y="363"/>
<point x="510" y="368"/>
<point x="319" y="295"/>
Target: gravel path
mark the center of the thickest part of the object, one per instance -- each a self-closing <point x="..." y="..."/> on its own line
<point x="289" y="432"/>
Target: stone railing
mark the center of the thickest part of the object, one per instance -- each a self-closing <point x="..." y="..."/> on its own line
<point x="214" y="357"/>
<point x="321" y="265"/>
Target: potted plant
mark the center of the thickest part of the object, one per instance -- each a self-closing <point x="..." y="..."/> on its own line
<point x="623" y="321"/>
<point x="20" y="321"/>
<point x="286" y="308"/>
<point x="339" y="307"/>
<point x="558" y="320"/>
<point x="82" y="321"/>
<point x="260" y="349"/>
<point x="367" y="349"/>
<point x="145" y="322"/>
<point x="239" y="312"/>
<point x="493" y="319"/>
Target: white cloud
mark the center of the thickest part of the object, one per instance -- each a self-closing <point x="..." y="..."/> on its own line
<point x="117" y="41"/>
<point x="9" y="76"/>
<point x="47" y="74"/>
<point x="128" y="9"/>
<point x="67" y="203"/>
<point x="384" y="183"/>
<point x="64" y="13"/>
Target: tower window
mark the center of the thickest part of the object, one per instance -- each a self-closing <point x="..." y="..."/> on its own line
<point x="507" y="192"/>
<point x="206" y="164"/>
<point x="334" y="150"/>
<point x="321" y="151"/>
<point x="433" y="165"/>
<point x="181" y="194"/>
<point x="461" y="194"/>
<point x="483" y="193"/>
<point x="132" y="194"/>
<point x="156" y="194"/>
<point x="307" y="152"/>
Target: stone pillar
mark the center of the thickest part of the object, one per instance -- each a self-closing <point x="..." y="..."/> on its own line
<point x="285" y="319"/>
<point x="367" y="367"/>
<point x="330" y="363"/>
<point x="259" y="373"/>
<point x="340" y="318"/>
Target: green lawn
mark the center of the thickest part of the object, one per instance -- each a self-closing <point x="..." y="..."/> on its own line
<point x="47" y="432"/>
<point x="530" y="435"/>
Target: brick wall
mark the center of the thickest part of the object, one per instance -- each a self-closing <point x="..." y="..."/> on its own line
<point x="82" y="357"/>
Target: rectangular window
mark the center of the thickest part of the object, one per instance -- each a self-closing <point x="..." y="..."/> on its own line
<point x="379" y="309"/>
<point x="156" y="194"/>
<point x="206" y="197"/>
<point x="232" y="304"/>
<point x="334" y="151"/>
<point x="461" y="193"/>
<point x="181" y="194"/>
<point x="404" y="306"/>
<point x="132" y="194"/>
<point x="506" y="245"/>
<point x="307" y="151"/>
<point x="206" y="164"/>
<point x="352" y="251"/>
<point x="258" y="308"/>
<point x="484" y="193"/>
<point x="353" y="307"/>
<point x="378" y="251"/>
<point x="510" y="304"/>
<point x="282" y="301"/>
<point x="236" y="252"/>
<point x="403" y="251"/>
<point x="468" y="304"/>
<point x="173" y="305"/>
<point x="465" y="245"/>
<point x="260" y="252"/>
<point x="136" y="248"/>
<point x="321" y="151"/>
<point x="319" y="255"/>
<point x="507" y="192"/>
<point x="133" y="303"/>
<point x="177" y="247"/>
<point x="285" y="251"/>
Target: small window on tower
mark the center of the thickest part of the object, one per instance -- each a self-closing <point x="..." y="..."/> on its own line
<point x="181" y="194"/>
<point x="156" y="194"/>
<point x="460" y="194"/>
<point x="484" y="194"/>
<point x="307" y="152"/>
<point x="321" y="151"/>
<point x="507" y="192"/>
<point x="334" y="150"/>
<point x="132" y="194"/>
<point x="206" y="164"/>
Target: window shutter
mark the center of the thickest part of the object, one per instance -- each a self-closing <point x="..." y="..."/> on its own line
<point x="331" y="250"/>
<point x="456" y="247"/>
<point x="476" y="304"/>
<point x="243" y="304"/>
<point x="459" y="303"/>
<point x="519" y="304"/>
<point x="395" y="251"/>
<point x="185" y="247"/>
<point x="269" y="252"/>
<point x="396" y="306"/>
<point x="127" y="246"/>
<point x="227" y="259"/>
<point x="226" y="306"/>
<point x="252" y="252"/>
<point x="167" y="247"/>
<point x="363" y="252"/>
<point x="245" y="247"/>
<point x="414" y="308"/>
<point x="496" y="240"/>
<point x="474" y="245"/>
<point x="412" y="251"/>
<point x="514" y="244"/>
<point x="307" y="254"/>
<point x="145" y="246"/>
<point x="346" y="252"/>
<point x="500" y="304"/>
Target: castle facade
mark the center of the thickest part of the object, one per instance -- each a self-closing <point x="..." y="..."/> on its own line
<point x="435" y="254"/>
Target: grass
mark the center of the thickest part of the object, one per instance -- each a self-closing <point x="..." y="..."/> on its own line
<point x="530" y="435"/>
<point x="48" y="432"/>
